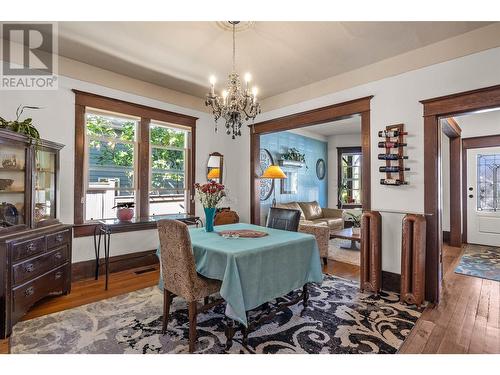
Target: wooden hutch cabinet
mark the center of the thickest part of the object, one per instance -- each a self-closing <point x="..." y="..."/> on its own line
<point x="35" y="248"/>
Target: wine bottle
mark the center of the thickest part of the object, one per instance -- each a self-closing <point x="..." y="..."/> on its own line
<point x="391" y="133"/>
<point x="392" y="169"/>
<point x="389" y="144"/>
<point x="392" y="182"/>
<point x="391" y="157"/>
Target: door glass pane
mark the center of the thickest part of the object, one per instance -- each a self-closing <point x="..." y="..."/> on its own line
<point x="45" y="185"/>
<point x="12" y="185"/>
<point x="488" y="182"/>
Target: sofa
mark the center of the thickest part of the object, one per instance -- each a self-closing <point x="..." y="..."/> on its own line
<point x="313" y="214"/>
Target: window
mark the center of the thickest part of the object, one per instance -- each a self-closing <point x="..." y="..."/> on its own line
<point x="111" y="155"/>
<point x="349" y="176"/>
<point x="126" y="152"/>
<point x="168" y="193"/>
<point x="488" y="182"/>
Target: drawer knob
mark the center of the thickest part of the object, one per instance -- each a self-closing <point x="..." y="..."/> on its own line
<point x="58" y="275"/>
<point x="59" y="238"/>
<point x="28" y="292"/>
<point x="31" y="247"/>
<point x="58" y="255"/>
<point x="29" y="267"/>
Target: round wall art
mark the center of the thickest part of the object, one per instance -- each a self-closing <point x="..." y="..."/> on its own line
<point x="320" y="169"/>
<point x="266" y="184"/>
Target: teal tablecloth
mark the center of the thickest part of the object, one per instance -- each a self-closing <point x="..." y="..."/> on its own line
<point x="256" y="270"/>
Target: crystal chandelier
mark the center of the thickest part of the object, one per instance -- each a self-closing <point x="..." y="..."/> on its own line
<point x="236" y="104"/>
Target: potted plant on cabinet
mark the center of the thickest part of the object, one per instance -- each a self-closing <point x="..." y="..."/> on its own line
<point x="125" y="211"/>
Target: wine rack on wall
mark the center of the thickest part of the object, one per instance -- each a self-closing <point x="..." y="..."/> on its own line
<point x="394" y="169"/>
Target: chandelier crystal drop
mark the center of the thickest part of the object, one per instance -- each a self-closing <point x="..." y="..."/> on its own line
<point x="236" y="104"/>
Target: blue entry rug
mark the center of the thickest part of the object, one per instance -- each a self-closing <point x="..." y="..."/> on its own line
<point x="480" y="261"/>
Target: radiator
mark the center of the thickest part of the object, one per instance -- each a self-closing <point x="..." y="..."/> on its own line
<point x="371" y="252"/>
<point x="413" y="260"/>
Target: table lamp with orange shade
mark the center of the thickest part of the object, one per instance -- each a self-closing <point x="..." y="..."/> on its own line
<point x="214" y="174"/>
<point x="273" y="172"/>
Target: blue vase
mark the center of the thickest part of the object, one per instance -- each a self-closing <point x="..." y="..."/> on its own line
<point x="209" y="219"/>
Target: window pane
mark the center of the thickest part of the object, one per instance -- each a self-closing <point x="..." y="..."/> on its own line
<point x="111" y="165"/>
<point x="111" y="127"/>
<point x="100" y="203"/>
<point x="163" y="160"/>
<point x="163" y="136"/>
<point x="351" y="178"/>
<point x="168" y="164"/>
<point x="488" y="182"/>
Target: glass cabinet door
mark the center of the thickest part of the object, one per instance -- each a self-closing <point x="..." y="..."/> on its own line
<point x="45" y="186"/>
<point x="12" y="185"/>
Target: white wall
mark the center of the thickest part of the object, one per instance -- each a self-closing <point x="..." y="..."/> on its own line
<point x="56" y="122"/>
<point x="396" y="100"/>
<point x="479" y="124"/>
<point x="334" y="141"/>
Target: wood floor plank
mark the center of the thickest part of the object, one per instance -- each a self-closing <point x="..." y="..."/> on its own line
<point x="4" y="346"/>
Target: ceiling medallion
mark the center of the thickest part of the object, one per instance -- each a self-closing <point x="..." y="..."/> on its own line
<point x="236" y="104"/>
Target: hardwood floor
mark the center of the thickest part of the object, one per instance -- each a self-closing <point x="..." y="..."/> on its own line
<point x="466" y="320"/>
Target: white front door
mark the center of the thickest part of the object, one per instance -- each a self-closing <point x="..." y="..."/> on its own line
<point x="483" y="196"/>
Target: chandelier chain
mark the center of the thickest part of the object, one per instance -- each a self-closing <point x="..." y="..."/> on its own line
<point x="234" y="48"/>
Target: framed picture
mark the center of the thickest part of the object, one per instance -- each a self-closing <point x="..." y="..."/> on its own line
<point x="289" y="185"/>
<point x="320" y="169"/>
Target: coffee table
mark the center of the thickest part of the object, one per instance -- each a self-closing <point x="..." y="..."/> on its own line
<point x="346" y="234"/>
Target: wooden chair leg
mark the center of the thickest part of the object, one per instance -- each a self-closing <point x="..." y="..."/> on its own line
<point x="192" y="326"/>
<point x="167" y="299"/>
<point x="206" y="300"/>
<point x="325" y="261"/>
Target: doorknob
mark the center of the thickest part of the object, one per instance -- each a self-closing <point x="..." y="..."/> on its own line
<point x="470" y="188"/>
<point x="471" y="196"/>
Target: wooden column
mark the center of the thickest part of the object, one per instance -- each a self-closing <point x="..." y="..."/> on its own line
<point x="371" y="252"/>
<point x="413" y="259"/>
<point x="143" y="169"/>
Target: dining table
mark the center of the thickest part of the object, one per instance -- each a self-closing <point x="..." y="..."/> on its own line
<point x="255" y="271"/>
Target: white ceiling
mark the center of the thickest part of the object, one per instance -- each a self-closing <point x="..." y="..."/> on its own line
<point x="280" y="55"/>
<point x="350" y="125"/>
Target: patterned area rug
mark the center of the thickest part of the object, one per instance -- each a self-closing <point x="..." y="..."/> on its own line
<point x="335" y="252"/>
<point x="339" y="319"/>
<point x="480" y="261"/>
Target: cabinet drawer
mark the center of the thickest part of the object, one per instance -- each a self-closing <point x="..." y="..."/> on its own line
<point x="58" y="239"/>
<point x="36" y="266"/>
<point x="24" y="296"/>
<point x="28" y="248"/>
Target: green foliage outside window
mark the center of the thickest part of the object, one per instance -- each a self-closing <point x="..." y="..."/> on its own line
<point x="167" y="165"/>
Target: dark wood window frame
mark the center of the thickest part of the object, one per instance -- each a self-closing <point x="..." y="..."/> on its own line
<point x="146" y="114"/>
<point x="340" y="151"/>
<point x="433" y="110"/>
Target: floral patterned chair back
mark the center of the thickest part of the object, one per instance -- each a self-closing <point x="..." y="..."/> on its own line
<point x="177" y="259"/>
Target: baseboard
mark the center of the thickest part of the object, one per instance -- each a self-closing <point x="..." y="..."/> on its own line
<point x="86" y="269"/>
<point x="391" y="281"/>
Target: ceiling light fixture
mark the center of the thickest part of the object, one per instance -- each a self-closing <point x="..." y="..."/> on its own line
<point x="235" y="104"/>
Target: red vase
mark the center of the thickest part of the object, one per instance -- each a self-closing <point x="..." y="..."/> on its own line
<point x="125" y="214"/>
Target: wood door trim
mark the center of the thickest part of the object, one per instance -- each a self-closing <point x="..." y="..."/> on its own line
<point x="316" y="116"/>
<point x="433" y="110"/>
<point x="471" y="143"/>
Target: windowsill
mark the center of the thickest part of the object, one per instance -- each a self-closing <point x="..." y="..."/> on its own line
<point x="349" y="206"/>
<point x="87" y="229"/>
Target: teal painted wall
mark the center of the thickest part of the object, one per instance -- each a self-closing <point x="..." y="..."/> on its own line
<point x="310" y="188"/>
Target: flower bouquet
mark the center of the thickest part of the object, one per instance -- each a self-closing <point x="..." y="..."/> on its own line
<point x="210" y="195"/>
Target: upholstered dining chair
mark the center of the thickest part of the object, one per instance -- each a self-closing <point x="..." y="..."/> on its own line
<point x="283" y="218"/>
<point x="180" y="277"/>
